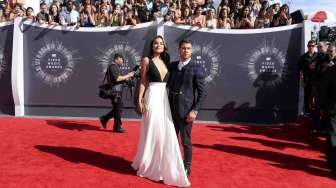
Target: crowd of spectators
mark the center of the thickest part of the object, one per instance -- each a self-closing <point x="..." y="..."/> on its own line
<point x="230" y="14"/>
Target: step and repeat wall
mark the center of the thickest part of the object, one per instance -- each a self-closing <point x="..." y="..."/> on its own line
<point x="6" y="94"/>
<point x="63" y="69"/>
<point x="252" y="75"/>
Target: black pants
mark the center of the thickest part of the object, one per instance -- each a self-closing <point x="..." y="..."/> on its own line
<point x="307" y="97"/>
<point x="115" y="112"/>
<point x="183" y="129"/>
<point x="331" y="143"/>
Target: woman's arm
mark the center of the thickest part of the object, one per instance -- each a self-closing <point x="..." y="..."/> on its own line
<point x="143" y="83"/>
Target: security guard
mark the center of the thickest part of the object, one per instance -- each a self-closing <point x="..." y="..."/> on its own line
<point x="115" y="78"/>
<point x="328" y="105"/>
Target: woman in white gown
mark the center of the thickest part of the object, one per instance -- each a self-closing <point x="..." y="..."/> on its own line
<point x="158" y="154"/>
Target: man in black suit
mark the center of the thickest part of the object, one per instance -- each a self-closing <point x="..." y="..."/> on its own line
<point x="306" y="67"/>
<point x="328" y="106"/>
<point x="186" y="95"/>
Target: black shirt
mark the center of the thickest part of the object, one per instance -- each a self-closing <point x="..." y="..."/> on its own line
<point x="305" y="61"/>
<point x="114" y="72"/>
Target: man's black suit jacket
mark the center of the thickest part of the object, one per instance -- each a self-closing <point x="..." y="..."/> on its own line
<point x="191" y="87"/>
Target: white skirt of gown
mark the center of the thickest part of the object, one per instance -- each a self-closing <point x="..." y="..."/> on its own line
<point x="158" y="154"/>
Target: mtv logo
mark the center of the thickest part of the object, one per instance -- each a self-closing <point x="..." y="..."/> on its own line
<point x="53" y="55"/>
<point x="268" y="59"/>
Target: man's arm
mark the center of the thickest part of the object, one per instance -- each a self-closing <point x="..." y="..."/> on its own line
<point x="125" y="77"/>
<point x="199" y="84"/>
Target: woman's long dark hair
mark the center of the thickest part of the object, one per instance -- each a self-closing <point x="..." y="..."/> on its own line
<point x="164" y="55"/>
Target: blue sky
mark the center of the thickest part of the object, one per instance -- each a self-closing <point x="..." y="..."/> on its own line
<point x="309" y="6"/>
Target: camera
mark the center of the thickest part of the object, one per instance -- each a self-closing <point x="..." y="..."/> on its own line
<point x="133" y="81"/>
<point x="327" y="34"/>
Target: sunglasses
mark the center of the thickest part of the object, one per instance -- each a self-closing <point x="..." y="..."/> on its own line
<point x="311" y="45"/>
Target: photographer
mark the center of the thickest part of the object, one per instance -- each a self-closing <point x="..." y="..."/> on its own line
<point x="117" y="80"/>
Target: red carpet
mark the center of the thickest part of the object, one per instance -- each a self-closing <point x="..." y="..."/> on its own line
<point x="78" y="153"/>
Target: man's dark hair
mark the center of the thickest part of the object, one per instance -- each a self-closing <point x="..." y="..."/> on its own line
<point x="312" y="42"/>
<point x="116" y="56"/>
<point x="184" y="41"/>
<point x="42" y="4"/>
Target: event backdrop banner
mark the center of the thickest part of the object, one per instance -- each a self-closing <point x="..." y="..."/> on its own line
<point x="64" y="68"/>
<point x="252" y="76"/>
<point x="6" y="44"/>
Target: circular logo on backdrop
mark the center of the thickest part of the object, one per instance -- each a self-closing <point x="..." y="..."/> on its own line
<point x="54" y="63"/>
<point x="2" y="62"/>
<point x="209" y="58"/>
<point x="267" y="63"/>
<point x="131" y="56"/>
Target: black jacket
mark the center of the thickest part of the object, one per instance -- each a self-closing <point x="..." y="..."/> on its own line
<point x="191" y="87"/>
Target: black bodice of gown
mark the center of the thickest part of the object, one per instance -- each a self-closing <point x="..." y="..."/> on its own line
<point x="154" y="74"/>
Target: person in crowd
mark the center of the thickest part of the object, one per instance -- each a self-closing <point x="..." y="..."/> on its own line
<point x="17" y="12"/>
<point x="116" y="79"/>
<point x="174" y="7"/>
<point x="262" y="20"/>
<point x="156" y="9"/>
<point x="185" y="18"/>
<point x="69" y="16"/>
<point x="54" y="13"/>
<point x="117" y="17"/>
<point x="276" y="8"/>
<point x="224" y="21"/>
<point x="211" y="20"/>
<point x="282" y="18"/>
<point x="319" y="66"/>
<point x="107" y="4"/>
<point x="332" y="55"/>
<point x="130" y="18"/>
<point x="170" y="16"/>
<point x="141" y="9"/>
<point x="264" y="4"/>
<point x="255" y="8"/>
<point x="12" y="3"/>
<point x="328" y="108"/>
<point x="198" y="19"/>
<point x="193" y="6"/>
<point x="225" y="3"/>
<point x="2" y="17"/>
<point x="208" y="4"/>
<point x="244" y="21"/>
<point x="87" y="2"/>
<point x="129" y="4"/>
<point x="270" y="14"/>
<point x="7" y="14"/>
<point x="58" y="3"/>
<point x="120" y="2"/>
<point x="235" y="10"/>
<point x="87" y="17"/>
<point x="164" y="8"/>
<point x="43" y="16"/>
<point x="103" y="18"/>
<point x="306" y="68"/>
<point x="30" y="16"/>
